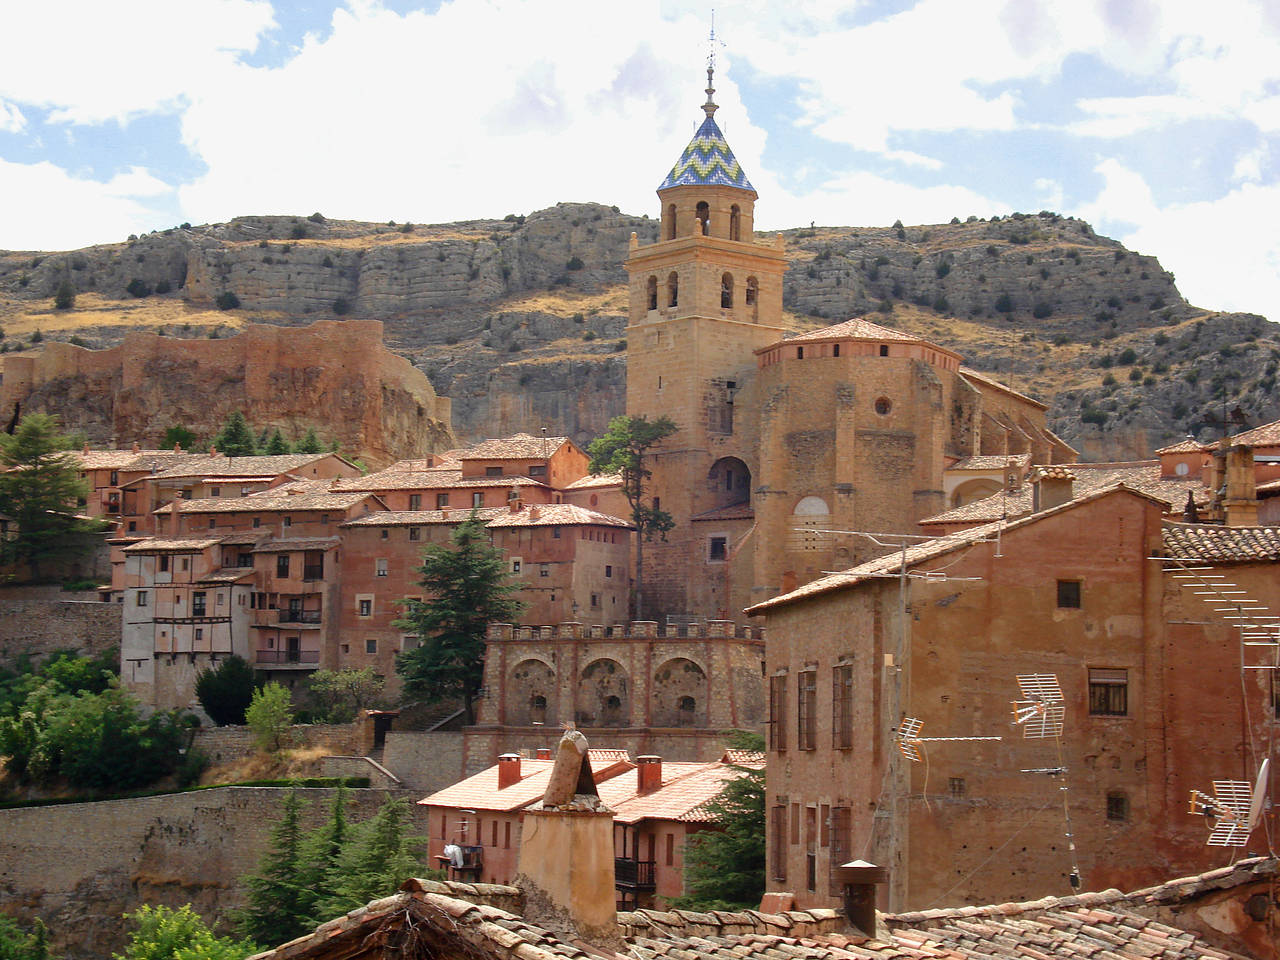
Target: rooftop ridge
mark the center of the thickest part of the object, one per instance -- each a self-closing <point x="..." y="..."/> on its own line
<point x="635" y="629"/>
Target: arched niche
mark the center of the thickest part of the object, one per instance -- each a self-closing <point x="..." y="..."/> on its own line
<point x="679" y="694"/>
<point x="976" y="489"/>
<point x="810" y="517"/>
<point x="604" y="695"/>
<point x="531" y="693"/>
<point x="729" y="483"/>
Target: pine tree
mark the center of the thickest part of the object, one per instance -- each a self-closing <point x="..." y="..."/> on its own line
<point x="226" y="691"/>
<point x="377" y="858"/>
<point x="276" y="445"/>
<point x="467" y="587"/>
<point x="40" y="493"/>
<point x="279" y="903"/>
<point x="65" y="296"/>
<point x="310" y="443"/>
<point x="236" y="439"/>
<point x="724" y="869"/>
<point x="322" y="857"/>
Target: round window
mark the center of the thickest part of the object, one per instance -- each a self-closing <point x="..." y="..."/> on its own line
<point x="1182" y="469"/>
<point x="883" y="406"/>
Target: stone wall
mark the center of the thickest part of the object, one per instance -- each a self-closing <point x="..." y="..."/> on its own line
<point x="330" y="374"/>
<point x="37" y="621"/>
<point x="223" y="744"/>
<point x="80" y="866"/>
<point x="424" y="761"/>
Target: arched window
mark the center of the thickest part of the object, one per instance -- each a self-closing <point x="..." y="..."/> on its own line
<point x="653" y="293"/>
<point x="671" y="221"/>
<point x="735" y="223"/>
<point x="673" y="289"/>
<point x="704" y="215"/>
<point x="538" y="708"/>
<point x="726" y="290"/>
<point x="753" y="291"/>
<point x="811" y="520"/>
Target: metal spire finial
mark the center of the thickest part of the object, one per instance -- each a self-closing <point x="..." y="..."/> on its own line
<point x="710" y="106"/>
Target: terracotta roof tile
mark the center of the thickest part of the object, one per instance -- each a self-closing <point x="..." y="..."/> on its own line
<point x="219" y="465"/>
<point x="480" y="791"/>
<point x="117" y="459"/>
<point x="736" y="511"/>
<point x="1264" y="436"/>
<point x="288" y="544"/>
<point x="1089" y="477"/>
<point x="520" y="446"/>
<point x="1053" y="472"/>
<point x="419" y="518"/>
<point x="556" y="515"/>
<point x="1218" y="544"/>
<point x="270" y="501"/>
<point x="992" y="462"/>
<point x="592" y="480"/>
<point x="1189" y="445"/>
<point x="158" y="545"/>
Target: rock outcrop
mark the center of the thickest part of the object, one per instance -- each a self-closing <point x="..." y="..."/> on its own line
<point x="337" y="377"/>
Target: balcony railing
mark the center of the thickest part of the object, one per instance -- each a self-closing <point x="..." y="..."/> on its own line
<point x="300" y="616"/>
<point x="288" y="656"/>
<point x="634" y="874"/>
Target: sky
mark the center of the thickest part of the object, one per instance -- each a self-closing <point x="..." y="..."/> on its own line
<point x="1158" y="121"/>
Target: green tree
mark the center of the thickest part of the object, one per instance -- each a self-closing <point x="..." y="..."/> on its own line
<point x="724" y="869"/>
<point x="622" y="451"/>
<point x="65" y="296"/>
<point x="279" y="899"/>
<point x="467" y="587"/>
<point x="226" y="691"/>
<point x="161" y="933"/>
<point x="378" y="856"/>
<point x="276" y="445"/>
<point x="322" y="855"/>
<point x="16" y="944"/>
<point x="310" y="443"/>
<point x="235" y="439"/>
<point x="179" y="436"/>
<point x="40" y="490"/>
<point x="269" y="715"/>
<point x="344" y="693"/>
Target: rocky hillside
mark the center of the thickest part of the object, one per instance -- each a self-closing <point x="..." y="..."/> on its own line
<point x="521" y="321"/>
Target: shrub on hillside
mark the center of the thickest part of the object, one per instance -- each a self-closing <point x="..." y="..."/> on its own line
<point x="227" y="301"/>
<point x="226" y="690"/>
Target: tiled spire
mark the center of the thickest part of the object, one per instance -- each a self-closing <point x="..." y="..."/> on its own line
<point x="707" y="160"/>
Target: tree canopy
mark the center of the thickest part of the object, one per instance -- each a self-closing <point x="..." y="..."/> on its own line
<point x="342" y="694"/>
<point x="269" y="714"/>
<point x="236" y="439"/>
<point x="40" y="495"/>
<point x="467" y="587"/>
<point x="161" y="933"/>
<point x="622" y="451"/>
<point x="225" y="691"/>
<point x="17" y="944"/>
<point x="724" y="869"/>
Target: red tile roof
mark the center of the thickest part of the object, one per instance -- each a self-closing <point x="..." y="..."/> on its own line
<point x="480" y="792"/>
<point x="1217" y="544"/>
<point x="1264" y="436"/>
<point x="860" y="329"/>
<point x="1189" y="445"/>
<point x="556" y="515"/>
<point x="521" y="446"/>
<point x="992" y="462"/>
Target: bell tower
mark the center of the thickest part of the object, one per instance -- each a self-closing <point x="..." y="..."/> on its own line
<point x="703" y="299"/>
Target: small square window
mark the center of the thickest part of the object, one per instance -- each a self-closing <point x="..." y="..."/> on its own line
<point x="199" y="634"/>
<point x="1108" y="692"/>
<point x="415" y="533"/>
<point x="142" y="598"/>
<point x="163" y="563"/>
<point x="717" y="548"/>
<point x="1117" y="806"/>
<point x="555" y="533"/>
<point x="515" y="565"/>
<point x="324" y="519"/>
<point x="595" y="599"/>
<point x="288" y="521"/>
<point x="282" y="565"/>
<point x="385" y="533"/>
<point x="1069" y="594"/>
<point x="133" y="526"/>
<point x="538" y="470"/>
<point x="186" y="563"/>
<point x="215" y="491"/>
<point x="257" y="522"/>
<point x="957" y="787"/>
<point x="380" y="567"/>
<point x="366" y="608"/>
<point x="371" y="645"/>
<point x="477" y="499"/>
<point x="415" y="501"/>
<point x="493" y="471"/>
<point x="608" y="570"/>
<point x="544" y="570"/>
<point x="442" y="501"/>
<point x="213" y="522"/>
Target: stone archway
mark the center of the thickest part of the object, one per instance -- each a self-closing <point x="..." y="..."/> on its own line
<point x="531" y="694"/>
<point x="604" y="695"/>
<point x="728" y="483"/>
<point x="976" y="489"/>
<point x="679" y="694"/>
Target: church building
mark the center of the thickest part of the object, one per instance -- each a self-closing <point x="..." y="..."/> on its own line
<point x="782" y="440"/>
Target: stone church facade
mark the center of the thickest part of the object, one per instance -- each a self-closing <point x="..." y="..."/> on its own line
<point x="782" y="440"/>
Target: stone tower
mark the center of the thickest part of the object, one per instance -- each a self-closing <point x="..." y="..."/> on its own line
<point x="703" y="299"/>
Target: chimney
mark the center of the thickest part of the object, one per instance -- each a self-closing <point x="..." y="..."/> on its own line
<point x="1051" y="487"/>
<point x="566" y="854"/>
<point x="858" y="881"/>
<point x="136" y="448"/>
<point x="1013" y="476"/>
<point x="544" y="753"/>
<point x="177" y="448"/>
<point x="173" y="518"/>
<point x="86" y="447"/>
<point x="1240" y="503"/>
<point x="648" y="774"/>
<point x="534" y="512"/>
<point x="508" y="770"/>
<point x="513" y="504"/>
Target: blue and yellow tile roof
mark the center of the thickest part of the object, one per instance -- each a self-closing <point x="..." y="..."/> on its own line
<point x="707" y="161"/>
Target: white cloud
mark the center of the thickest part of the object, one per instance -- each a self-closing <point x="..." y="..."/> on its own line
<point x="1225" y="252"/>
<point x="1249" y="165"/>
<point x="914" y="159"/>
<point x="43" y="207"/>
<point x="91" y="61"/>
<point x="11" y="118"/>
<point x="1051" y="192"/>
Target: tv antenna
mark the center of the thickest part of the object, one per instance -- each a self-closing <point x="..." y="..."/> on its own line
<point x="908" y="740"/>
<point x="1234" y="807"/>
<point x="1041" y="713"/>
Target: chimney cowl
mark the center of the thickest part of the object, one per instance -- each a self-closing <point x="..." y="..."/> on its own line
<point x="544" y="753"/>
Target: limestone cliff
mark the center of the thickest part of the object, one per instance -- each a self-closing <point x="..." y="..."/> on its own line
<point x="521" y="321"/>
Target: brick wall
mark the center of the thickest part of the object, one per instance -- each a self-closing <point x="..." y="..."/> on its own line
<point x="424" y="761"/>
